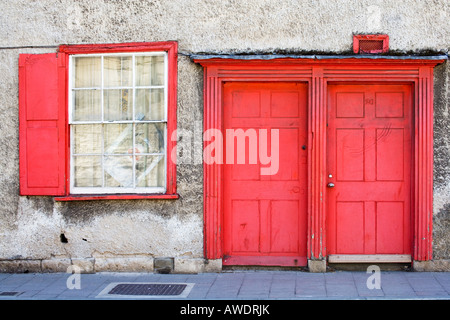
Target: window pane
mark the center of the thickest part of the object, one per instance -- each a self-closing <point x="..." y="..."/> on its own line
<point x="149" y="104"/>
<point x="149" y="70"/>
<point x="143" y="69"/>
<point x="87" y="72"/>
<point x="149" y="137"/>
<point x="118" y="104"/>
<point x="117" y="71"/>
<point x="87" y="171"/>
<point x="87" y="139"/>
<point x="157" y="104"/>
<point x="157" y="71"/>
<point x="142" y="104"/>
<point x="150" y="171"/>
<point x="118" y="138"/>
<point x="87" y="105"/>
<point x="119" y="171"/>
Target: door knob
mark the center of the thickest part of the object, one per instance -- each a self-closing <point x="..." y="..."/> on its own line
<point x="330" y="185"/>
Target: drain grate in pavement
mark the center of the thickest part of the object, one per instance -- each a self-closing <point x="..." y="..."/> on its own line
<point x="149" y="289"/>
<point x="146" y="290"/>
<point x="9" y="293"/>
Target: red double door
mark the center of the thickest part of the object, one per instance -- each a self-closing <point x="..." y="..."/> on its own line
<point x="265" y="220"/>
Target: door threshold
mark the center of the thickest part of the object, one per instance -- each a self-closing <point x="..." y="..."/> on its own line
<point x="369" y="258"/>
<point x="234" y="268"/>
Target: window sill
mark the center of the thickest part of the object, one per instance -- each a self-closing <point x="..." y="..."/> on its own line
<point x="117" y="197"/>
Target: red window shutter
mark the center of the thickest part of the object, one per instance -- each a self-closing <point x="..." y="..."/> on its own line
<point x="42" y="119"/>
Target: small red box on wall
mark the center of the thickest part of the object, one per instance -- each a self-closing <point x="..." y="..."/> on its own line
<point x="371" y="43"/>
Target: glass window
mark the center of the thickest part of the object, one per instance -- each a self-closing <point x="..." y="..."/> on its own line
<point x="118" y="123"/>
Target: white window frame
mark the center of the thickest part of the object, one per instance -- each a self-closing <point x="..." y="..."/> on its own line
<point x="71" y="122"/>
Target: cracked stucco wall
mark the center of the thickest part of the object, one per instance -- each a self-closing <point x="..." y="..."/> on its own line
<point x="30" y="227"/>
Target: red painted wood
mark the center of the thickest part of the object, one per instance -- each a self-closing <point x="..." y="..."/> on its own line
<point x="119" y="47"/>
<point x="256" y="260"/>
<point x="384" y="38"/>
<point x="319" y="73"/>
<point x="369" y="158"/>
<point x="172" y="51"/>
<point x="44" y="133"/>
<point x="171" y="47"/>
<point x="118" y="197"/>
<point x="424" y="171"/>
<point x="42" y="124"/>
<point x="265" y="220"/>
<point x="317" y="166"/>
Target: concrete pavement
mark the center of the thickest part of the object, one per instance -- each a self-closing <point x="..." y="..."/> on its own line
<point x="234" y="285"/>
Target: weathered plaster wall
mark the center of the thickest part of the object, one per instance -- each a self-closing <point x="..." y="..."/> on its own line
<point x="227" y="25"/>
<point x="31" y="227"/>
<point x="441" y="201"/>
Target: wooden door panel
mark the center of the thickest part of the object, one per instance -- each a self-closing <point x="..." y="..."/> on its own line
<point x="284" y="227"/>
<point x="350" y="227"/>
<point x="284" y="104"/>
<point x="245" y="226"/>
<point x="289" y="155"/>
<point x="390" y="154"/>
<point x="350" y="154"/>
<point x="389" y="104"/>
<point x="246" y="104"/>
<point x="390" y="226"/>
<point x="370" y="191"/>
<point x="350" y="105"/>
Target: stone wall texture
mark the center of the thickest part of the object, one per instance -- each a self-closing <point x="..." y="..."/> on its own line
<point x="38" y="228"/>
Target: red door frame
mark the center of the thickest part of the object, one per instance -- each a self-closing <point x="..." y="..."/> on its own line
<point x="318" y="73"/>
